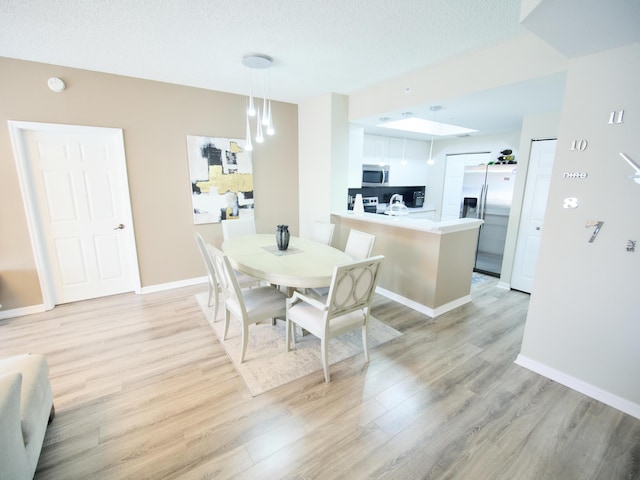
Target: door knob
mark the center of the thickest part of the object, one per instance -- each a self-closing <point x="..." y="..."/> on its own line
<point x="537" y="228"/>
<point x="119" y="227"/>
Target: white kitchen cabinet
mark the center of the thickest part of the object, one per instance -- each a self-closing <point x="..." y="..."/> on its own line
<point x="407" y="158"/>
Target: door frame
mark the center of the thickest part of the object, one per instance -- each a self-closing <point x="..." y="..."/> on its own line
<point x="35" y="222"/>
<point x="516" y="264"/>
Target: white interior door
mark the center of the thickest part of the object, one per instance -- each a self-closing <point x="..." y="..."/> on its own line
<point x="533" y="208"/>
<point x="80" y="211"/>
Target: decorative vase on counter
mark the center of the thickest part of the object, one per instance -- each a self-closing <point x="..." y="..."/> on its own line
<point x="282" y="237"/>
<point x="358" y="205"/>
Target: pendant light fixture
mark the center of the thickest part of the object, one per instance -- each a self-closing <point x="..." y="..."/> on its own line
<point x="259" y="137"/>
<point x="263" y="117"/>
<point x="431" y="161"/>
<point x="433" y="108"/>
<point x="270" y="129"/>
<point x="251" y="109"/>
<point x="265" y="120"/>
<point x="404" y="151"/>
<point x="248" y="146"/>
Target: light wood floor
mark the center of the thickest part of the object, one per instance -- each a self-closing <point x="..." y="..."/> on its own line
<point x="143" y="389"/>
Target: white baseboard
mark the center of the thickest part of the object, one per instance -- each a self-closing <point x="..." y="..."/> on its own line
<point x="171" y="285"/>
<point x="19" y="312"/>
<point x="581" y="386"/>
<point x="419" y="307"/>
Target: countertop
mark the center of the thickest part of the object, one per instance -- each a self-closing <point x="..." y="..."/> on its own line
<point x="420" y="224"/>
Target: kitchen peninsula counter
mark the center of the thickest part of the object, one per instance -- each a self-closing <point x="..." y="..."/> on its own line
<point x="428" y="264"/>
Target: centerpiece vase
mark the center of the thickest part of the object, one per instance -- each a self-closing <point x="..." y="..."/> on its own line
<point x="282" y="237"/>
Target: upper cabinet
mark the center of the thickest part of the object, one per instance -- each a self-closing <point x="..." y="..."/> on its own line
<point x="407" y="159"/>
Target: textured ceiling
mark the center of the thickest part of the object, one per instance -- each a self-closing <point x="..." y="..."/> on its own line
<point x="318" y="46"/>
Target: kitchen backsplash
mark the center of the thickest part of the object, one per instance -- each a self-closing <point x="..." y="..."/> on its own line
<point x="384" y="193"/>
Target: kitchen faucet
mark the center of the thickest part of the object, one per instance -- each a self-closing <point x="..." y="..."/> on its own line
<point x="395" y="198"/>
<point x="396" y="205"/>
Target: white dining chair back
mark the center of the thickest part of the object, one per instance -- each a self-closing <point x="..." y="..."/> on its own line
<point x="249" y="306"/>
<point x="359" y="244"/>
<point x="323" y="232"/>
<point x="214" y="277"/>
<point x="244" y="279"/>
<point x="237" y="228"/>
<point x="346" y="307"/>
<point x="211" y="272"/>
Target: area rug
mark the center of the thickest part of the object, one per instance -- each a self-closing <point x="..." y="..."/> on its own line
<point x="267" y="363"/>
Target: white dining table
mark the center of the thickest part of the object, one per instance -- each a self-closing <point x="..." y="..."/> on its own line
<point x="305" y="264"/>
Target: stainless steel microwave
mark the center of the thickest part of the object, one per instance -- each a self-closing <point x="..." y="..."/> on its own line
<point x="375" y="175"/>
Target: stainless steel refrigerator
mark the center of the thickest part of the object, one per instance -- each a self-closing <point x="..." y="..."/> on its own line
<point x="486" y="194"/>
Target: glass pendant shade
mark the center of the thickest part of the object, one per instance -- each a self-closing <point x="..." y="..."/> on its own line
<point x="270" y="129"/>
<point x="265" y="119"/>
<point x="251" y="109"/>
<point x="259" y="137"/>
<point x="248" y="146"/>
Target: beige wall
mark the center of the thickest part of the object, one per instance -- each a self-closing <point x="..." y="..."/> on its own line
<point x="582" y="327"/>
<point x="155" y="118"/>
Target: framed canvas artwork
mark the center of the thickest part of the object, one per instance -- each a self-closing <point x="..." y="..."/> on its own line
<point x="221" y="178"/>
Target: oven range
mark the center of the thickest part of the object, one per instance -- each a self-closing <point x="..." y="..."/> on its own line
<point x="370" y="204"/>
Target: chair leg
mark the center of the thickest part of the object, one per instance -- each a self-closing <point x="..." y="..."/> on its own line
<point x="216" y="302"/>
<point x="227" y="315"/>
<point x="325" y="359"/>
<point x="210" y="295"/>
<point x="365" y="344"/>
<point x="287" y="327"/>
<point x="245" y="340"/>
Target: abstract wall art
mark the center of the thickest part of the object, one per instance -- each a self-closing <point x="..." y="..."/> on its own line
<point x="221" y="178"/>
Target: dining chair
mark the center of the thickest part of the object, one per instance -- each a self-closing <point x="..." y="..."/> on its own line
<point x="323" y="232"/>
<point x="249" y="306"/>
<point x="359" y="246"/>
<point x="238" y="228"/>
<point x="211" y="271"/>
<point x="213" y="275"/>
<point x="346" y="307"/>
<point x="244" y="279"/>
